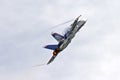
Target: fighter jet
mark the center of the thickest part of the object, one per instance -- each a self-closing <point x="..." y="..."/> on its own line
<point x="64" y="40"/>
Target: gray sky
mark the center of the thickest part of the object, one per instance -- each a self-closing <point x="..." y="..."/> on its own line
<point x="25" y="27"/>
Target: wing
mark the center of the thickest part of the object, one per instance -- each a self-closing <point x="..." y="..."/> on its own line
<point x="55" y="53"/>
<point x="52" y="58"/>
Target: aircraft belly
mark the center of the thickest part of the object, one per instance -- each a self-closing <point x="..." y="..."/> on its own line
<point x="66" y="42"/>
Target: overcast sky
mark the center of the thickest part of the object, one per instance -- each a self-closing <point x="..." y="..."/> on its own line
<point x="25" y="27"/>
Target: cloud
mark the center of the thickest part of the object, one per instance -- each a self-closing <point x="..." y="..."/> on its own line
<point x="93" y="53"/>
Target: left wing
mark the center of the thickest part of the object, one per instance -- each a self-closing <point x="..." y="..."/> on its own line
<point x="52" y="58"/>
<point x="55" y="53"/>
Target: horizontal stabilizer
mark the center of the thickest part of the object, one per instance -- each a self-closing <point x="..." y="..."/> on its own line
<point x="57" y="36"/>
<point x="51" y="47"/>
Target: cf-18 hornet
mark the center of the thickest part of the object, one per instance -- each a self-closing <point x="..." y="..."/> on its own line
<point x="64" y="40"/>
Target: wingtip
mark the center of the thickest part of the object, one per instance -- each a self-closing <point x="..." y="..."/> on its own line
<point x="47" y="63"/>
<point x="45" y="46"/>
